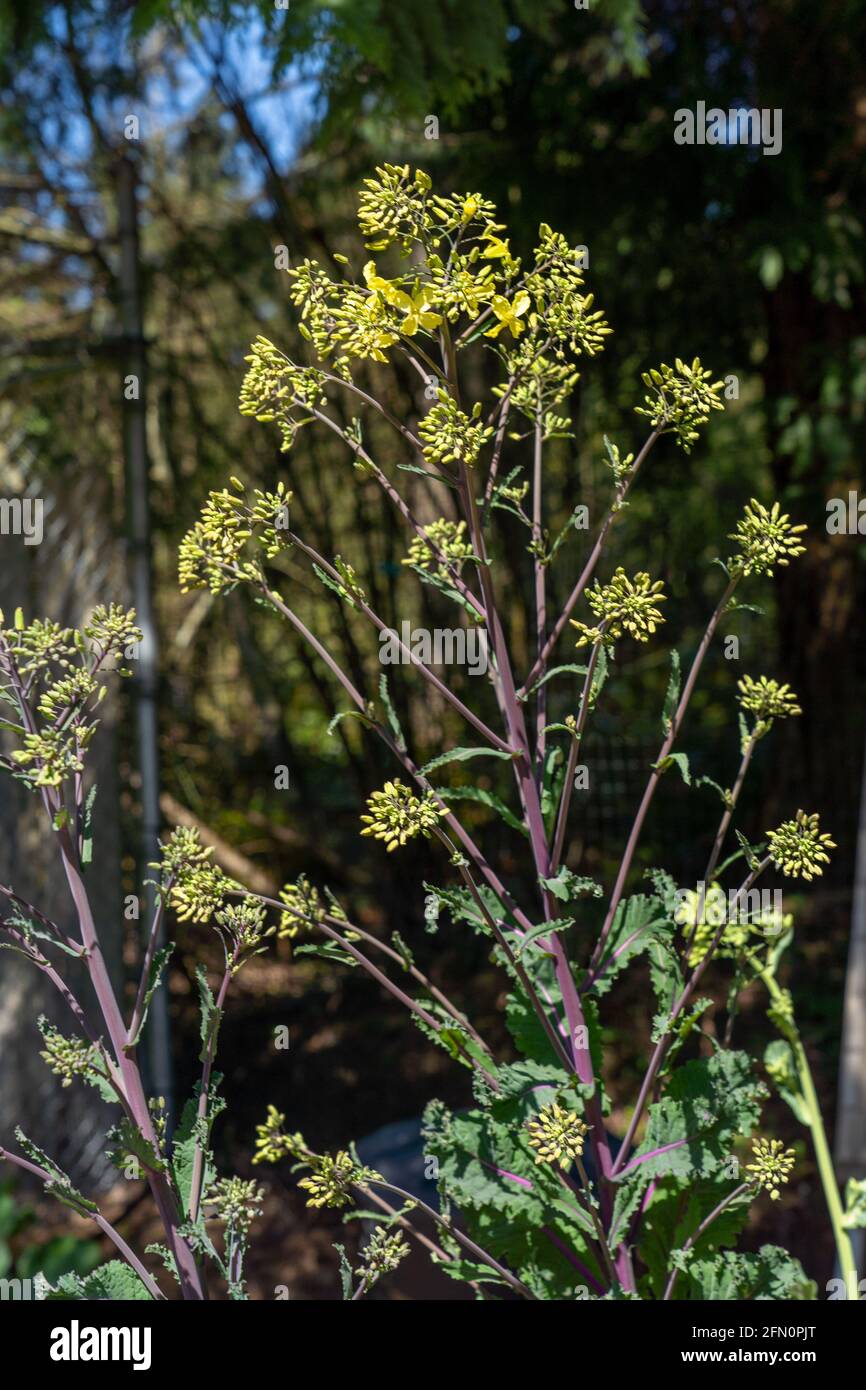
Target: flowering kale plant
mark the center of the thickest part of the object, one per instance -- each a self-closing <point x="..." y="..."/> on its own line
<point x="540" y="1195"/>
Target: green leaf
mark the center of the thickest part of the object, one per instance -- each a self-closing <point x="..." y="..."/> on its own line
<point x="637" y="925"/>
<point x="485" y="798"/>
<point x="599" y="675"/>
<point x="675" y="1212"/>
<point x="58" y="1183"/>
<point x="87" y="827"/>
<point x="114" y="1282"/>
<point x="462" y="906"/>
<point x="855" y="1205"/>
<point x="781" y="1066"/>
<point x="326" y="950"/>
<point x="435" y="581"/>
<point x="772" y="1274"/>
<point x="569" y="668"/>
<point x="210" y="1014"/>
<point x="390" y="711"/>
<point x="543" y="929"/>
<point x="345" y="1272"/>
<point x="508" y="1203"/>
<point x="100" y="1082"/>
<point x="157" y="965"/>
<point x="461" y="755"/>
<point x="708" y="782"/>
<point x="350" y="714"/>
<point x="708" y="1103"/>
<point x="551" y="784"/>
<point x="426" y="473"/>
<point x="665" y="889"/>
<point x="403" y="950"/>
<point x="569" y="887"/>
<point x="128" y="1142"/>
<point x="529" y="1036"/>
<point x="190" y="1131"/>
<point x="335" y="586"/>
<point x="680" y="760"/>
<point x="680" y="1030"/>
<point x="528" y="1080"/>
<point x="666" y="975"/>
<point x="463" y="1047"/>
<point x="672" y="693"/>
<point x="525" y="1027"/>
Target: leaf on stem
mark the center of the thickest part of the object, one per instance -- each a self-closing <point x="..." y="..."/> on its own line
<point x="462" y="755"/>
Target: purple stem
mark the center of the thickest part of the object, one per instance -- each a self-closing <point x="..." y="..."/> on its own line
<point x="588" y="569"/>
<point x="654" y="1153"/>
<point x="105" y="1226"/>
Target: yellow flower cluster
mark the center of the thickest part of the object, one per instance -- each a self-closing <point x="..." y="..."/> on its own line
<point x="451" y="436"/>
<point x="623" y="605"/>
<point x="772" y="1165"/>
<point x="397" y="815"/>
<point x="799" y="847"/>
<point x="680" y="399"/>
<point x="441" y="538"/>
<point x="557" y="1135"/>
<point x="214" y="554"/>
<point x="766" y="538"/>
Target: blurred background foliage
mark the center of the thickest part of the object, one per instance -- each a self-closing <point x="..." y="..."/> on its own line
<point x="256" y="124"/>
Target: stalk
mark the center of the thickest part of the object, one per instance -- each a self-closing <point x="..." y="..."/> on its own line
<point x="515" y="725"/>
<point x="588" y="569"/>
<point x="664" y="1041"/>
<point x="844" y="1249"/>
<point x="655" y="775"/>
<point x="824" y="1159"/>
<point x="695" y="1237"/>
<point x="459" y="1236"/>
<point x="198" y="1162"/>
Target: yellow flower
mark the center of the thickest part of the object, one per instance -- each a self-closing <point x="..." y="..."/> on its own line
<point x="421" y="315"/>
<point x="390" y="292"/>
<point x="498" y="249"/>
<point x="509" y="314"/>
<point x="417" y="308"/>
